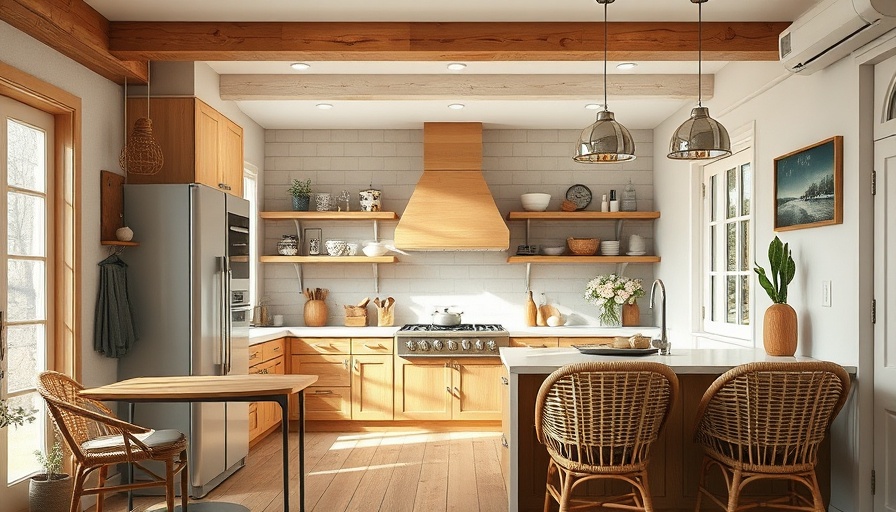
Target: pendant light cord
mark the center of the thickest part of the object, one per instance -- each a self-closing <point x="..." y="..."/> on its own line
<point x="606" y="107"/>
<point x="700" y="54"/>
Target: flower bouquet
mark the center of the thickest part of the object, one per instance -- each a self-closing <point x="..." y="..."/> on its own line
<point x="610" y="293"/>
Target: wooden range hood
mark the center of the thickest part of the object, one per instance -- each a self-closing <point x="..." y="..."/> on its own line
<point x="451" y="208"/>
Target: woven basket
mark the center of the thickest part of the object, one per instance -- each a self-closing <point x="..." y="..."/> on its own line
<point x="583" y="246"/>
<point x="355" y="316"/>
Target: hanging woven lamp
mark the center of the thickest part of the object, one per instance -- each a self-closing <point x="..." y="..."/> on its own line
<point x="141" y="153"/>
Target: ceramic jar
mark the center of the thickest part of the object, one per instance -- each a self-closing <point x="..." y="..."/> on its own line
<point x="370" y="200"/>
<point x="288" y="246"/>
<point x="324" y="202"/>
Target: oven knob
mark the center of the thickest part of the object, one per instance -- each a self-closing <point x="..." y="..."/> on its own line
<point x="452" y="345"/>
<point x="491" y="345"/>
<point x="480" y="346"/>
<point x="412" y="345"/>
<point x="438" y="345"/>
<point x="465" y="344"/>
<point x="424" y="345"/>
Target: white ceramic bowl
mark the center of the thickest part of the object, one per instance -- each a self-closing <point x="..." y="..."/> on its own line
<point x="553" y="251"/>
<point x="374" y="250"/>
<point x="337" y="247"/>
<point x="352" y="248"/>
<point x="535" y="202"/>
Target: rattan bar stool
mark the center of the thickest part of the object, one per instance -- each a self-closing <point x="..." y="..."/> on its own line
<point x="597" y="421"/>
<point x="766" y="421"/>
<point x="97" y="440"/>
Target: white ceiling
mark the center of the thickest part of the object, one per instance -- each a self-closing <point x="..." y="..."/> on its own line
<point x="634" y="113"/>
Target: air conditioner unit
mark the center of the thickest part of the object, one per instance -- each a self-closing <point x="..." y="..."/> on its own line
<point x="831" y="30"/>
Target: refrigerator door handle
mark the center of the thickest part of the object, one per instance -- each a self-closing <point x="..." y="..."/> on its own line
<point x="224" y="311"/>
<point x="228" y="320"/>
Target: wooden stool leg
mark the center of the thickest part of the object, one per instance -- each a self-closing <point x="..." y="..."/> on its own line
<point x="547" y="485"/>
<point x="101" y="482"/>
<point x="566" y="491"/>
<point x="169" y="483"/>
<point x="817" y="502"/>
<point x="702" y="483"/>
<point x="646" y="502"/>
<point x="78" y="488"/>
<point x="734" y="490"/>
<point x="184" y="476"/>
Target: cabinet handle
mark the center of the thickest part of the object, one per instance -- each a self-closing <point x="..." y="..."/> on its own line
<point x="448" y="389"/>
<point x="224" y="186"/>
<point x="504" y="441"/>
<point x="253" y="355"/>
<point x="357" y="366"/>
<point x="345" y="363"/>
<point x="456" y="392"/>
<point x="378" y="345"/>
<point x="322" y="392"/>
<point x="278" y="348"/>
<point x="505" y="381"/>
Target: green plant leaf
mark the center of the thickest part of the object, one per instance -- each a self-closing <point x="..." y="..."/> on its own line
<point x="765" y="283"/>
<point x="775" y="256"/>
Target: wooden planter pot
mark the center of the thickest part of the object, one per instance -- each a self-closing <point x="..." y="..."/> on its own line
<point x="779" y="330"/>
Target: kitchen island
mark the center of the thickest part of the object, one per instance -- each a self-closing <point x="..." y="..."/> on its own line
<point x="675" y="459"/>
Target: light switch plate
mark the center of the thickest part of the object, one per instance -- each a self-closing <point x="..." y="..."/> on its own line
<point x="826" y="294"/>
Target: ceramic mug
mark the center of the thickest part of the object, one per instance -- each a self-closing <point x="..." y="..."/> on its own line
<point x="370" y="200"/>
<point x="324" y="202"/>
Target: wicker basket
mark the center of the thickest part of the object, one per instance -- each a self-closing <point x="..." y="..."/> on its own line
<point x="583" y="246"/>
<point x="355" y="316"/>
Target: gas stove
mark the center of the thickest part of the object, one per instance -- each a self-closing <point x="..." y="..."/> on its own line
<point x="464" y="340"/>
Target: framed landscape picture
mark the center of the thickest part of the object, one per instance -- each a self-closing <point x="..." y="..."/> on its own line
<point x="809" y="186"/>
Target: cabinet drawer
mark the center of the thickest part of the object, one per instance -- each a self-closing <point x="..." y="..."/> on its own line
<point x="266" y="368"/>
<point x="371" y="345"/>
<point x="271" y="349"/>
<point x="330" y="370"/>
<point x="568" y="342"/>
<point x="255" y="354"/>
<point x="534" y="342"/>
<point x="320" y="346"/>
<point x="328" y="403"/>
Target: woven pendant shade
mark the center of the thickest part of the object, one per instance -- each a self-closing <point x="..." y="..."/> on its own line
<point x="142" y="154"/>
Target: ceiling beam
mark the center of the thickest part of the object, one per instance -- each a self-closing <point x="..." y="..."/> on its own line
<point x="77" y="31"/>
<point x="410" y="41"/>
<point x="452" y="87"/>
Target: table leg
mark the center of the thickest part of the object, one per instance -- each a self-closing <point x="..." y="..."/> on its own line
<point x="283" y="400"/>
<point x="302" y="450"/>
<point x="131" y="406"/>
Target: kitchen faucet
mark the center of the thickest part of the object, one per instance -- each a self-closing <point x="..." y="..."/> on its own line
<point x="662" y="342"/>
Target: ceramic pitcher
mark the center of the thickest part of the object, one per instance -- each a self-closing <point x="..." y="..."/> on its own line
<point x="370" y="200"/>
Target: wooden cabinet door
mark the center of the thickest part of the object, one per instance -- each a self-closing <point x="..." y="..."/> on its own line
<point x="326" y="403"/>
<point x="208" y="145"/>
<point x="230" y="178"/>
<point x="476" y="387"/>
<point x="372" y="387"/>
<point x="422" y="390"/>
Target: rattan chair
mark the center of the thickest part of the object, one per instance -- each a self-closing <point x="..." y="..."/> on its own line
<point x="597" y="421"/>
<point x="97" y="440"/>
<point x="766" y="421"/>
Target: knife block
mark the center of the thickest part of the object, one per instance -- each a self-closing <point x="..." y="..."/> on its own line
<point x="315" y="313"/>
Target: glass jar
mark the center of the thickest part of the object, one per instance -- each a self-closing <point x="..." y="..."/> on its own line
<point x="288" y="246"/>
<point x="629" y="200"/>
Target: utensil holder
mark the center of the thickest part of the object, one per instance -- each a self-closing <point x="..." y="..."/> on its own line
<point x="355" y="316"/>
<point x="385" y="317"/>
<point x="315" y="313"/>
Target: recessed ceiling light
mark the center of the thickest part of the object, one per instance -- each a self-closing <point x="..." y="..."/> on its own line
<point x="456" y="66"/>
<point x="626" y="65"/>
<point x="593" y="106"/>
<point x="456" y="106"/>
<point x="299" y="66"/>
<point x="324" y="106"/>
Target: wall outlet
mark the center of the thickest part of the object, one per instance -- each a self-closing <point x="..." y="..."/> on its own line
<point x="825" y="294"/>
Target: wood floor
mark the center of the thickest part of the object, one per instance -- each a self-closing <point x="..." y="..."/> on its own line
<point x="368" y="472"/>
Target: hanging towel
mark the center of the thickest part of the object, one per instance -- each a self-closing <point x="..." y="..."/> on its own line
<point x="113" y="328"/>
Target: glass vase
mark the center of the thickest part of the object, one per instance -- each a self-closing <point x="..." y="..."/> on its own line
<point x="611" y="315"/>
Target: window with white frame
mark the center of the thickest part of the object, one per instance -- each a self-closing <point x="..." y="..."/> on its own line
<point x="728" y="246"/>
<point x="250" y="193"/>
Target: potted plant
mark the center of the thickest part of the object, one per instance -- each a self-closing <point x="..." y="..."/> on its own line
<point x="50" y="491"/>
<point x="15" y="416"/>
<point x="610" y="292"/>
<point x="301" y="194"/>
<point x="779" y="327"/>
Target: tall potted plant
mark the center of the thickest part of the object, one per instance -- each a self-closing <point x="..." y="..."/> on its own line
<point x="301" y="194"/>
<point x="779" y="327"/>
<point x="50" y="491"/>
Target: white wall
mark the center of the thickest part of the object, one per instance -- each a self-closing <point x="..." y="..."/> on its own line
<point x="102" y="138"/>
<point x="482" y="284"/>
<point x="790" y="112"/>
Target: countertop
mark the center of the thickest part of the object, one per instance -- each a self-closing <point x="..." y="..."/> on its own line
<point x="524" y="360"/>
<point x="263" y="334"/>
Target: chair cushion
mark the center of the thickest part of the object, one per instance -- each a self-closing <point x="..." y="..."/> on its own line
<point x="152" y="439"/>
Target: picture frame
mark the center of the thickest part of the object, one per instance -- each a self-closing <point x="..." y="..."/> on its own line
<point x="809" y="186"/>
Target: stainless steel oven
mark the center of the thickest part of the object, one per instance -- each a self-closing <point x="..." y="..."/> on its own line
<point x="464" y="340"/>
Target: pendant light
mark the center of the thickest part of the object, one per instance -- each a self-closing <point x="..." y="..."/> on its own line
<point x="141" y="153"/>
<point x="700" y="137"/>
<point x="606" y="141"/>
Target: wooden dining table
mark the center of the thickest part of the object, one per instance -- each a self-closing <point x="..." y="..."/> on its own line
<point x="220" y="388"/>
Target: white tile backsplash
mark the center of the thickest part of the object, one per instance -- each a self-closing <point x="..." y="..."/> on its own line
<point x="482" y="284"/>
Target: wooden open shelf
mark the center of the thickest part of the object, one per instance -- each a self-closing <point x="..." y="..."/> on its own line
<point x="120" y="243"/>
<point x="583" y="215"/>
<point x="296" y="215"/>
<point x="328" y="259"/>
<point x="584" y="259"/>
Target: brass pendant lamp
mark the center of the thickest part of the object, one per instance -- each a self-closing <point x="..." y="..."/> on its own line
<point x="700" y="137"/>
<point x="141" y="153"/>
<point x="606" y="141"/>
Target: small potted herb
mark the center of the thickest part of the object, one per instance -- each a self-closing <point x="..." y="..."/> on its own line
<point x="50" y="491"/>
<point x="779" y="329"/>
<point x="301" y="194"/>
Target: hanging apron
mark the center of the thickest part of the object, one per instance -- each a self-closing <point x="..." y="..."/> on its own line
<point x="113" y="328"/>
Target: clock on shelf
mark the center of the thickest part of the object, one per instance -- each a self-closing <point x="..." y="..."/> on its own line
<point x="580" y="195"/>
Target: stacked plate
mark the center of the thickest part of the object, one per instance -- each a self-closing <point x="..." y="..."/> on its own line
<point x="609" y="247"/>
<point x="636" y="246"/>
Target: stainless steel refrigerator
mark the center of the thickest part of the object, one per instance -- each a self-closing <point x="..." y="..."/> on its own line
<point x="188" y="284"/>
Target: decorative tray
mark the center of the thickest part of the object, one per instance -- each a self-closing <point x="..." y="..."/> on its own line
<point x="603" y="350"/>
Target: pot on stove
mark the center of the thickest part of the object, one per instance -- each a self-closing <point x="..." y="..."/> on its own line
<point x="446" y="318"/>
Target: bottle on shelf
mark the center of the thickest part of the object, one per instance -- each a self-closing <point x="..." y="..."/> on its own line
<point x="604" y="204"/>
<point x="629" y="200"/>
<point x="614" y="204"/>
